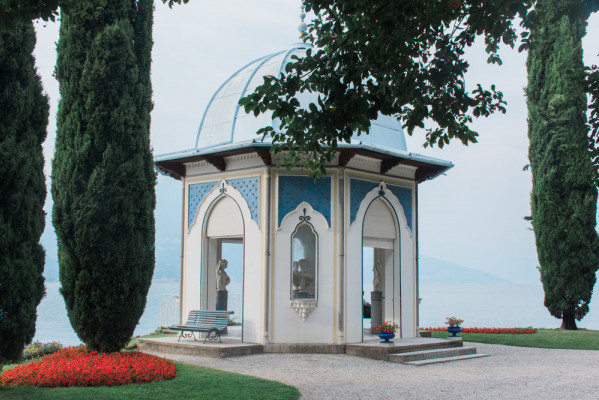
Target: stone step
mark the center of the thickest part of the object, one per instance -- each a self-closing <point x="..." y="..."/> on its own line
<point x="430" y="354"/>
<point x="379" y="351"/>
<point x="445" y="359"/>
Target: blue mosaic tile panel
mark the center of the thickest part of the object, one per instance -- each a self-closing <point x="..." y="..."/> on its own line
<point x="293" y="190"/>
<point x="404" y="194"/>
<point x="357" y="190"/>
<point x="250" y="190"/>
<point x="197" y="192"/>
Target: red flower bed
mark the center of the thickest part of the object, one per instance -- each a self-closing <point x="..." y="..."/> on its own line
<point x="494" y="331"/>
<point x="77" y="366"/>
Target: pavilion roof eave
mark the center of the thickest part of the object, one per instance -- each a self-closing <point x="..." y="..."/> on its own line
<point x="173" y="164"/>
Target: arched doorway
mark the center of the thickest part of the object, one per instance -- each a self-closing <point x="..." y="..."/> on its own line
<point x="380" y="264"/>
<point x="224" y="240"/>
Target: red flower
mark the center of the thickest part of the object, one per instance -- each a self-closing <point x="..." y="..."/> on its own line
<point x="77" y="366"/>
<point x="496" y="331"/>
<point x="387" y="327"/>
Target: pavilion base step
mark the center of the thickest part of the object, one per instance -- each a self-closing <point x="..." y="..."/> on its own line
<point x="424" y="357"/>
<point x="445" y="359"/>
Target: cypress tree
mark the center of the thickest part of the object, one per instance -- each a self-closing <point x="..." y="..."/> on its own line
<point x="564" y="198"/>
<point x="103" y="177"/>
<point x="23" y="121"/>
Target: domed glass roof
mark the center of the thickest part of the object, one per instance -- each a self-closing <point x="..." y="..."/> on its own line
<point x="225" y="122"/>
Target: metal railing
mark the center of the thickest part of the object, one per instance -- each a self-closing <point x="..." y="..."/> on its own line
<point x="235" y="305"/>
<point x="169" y="309"/>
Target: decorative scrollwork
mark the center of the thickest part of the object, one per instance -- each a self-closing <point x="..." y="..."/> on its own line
<point x="213" y="335"/>
<point x="304" y="218"/>
<point x="303" y="307"/>
<point x="223" y="189"/>
<point x="382" y="193"/>
<point x="187" y="335"/>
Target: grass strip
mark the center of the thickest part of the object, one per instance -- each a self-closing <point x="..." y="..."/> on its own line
<point x="544" y="338"/>
<point x="192" y="382"/>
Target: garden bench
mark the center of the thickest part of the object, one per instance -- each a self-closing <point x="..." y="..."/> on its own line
<point x="209" y="322"/>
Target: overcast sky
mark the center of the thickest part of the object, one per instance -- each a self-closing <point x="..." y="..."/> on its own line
<point x="473" y="216"/>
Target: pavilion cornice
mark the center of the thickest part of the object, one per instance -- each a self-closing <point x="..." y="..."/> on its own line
<point x="176" y="167"/>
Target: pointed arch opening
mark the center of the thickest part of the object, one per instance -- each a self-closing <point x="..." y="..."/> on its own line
<point x="380" y="267"/>
<point x="223" y="266"/>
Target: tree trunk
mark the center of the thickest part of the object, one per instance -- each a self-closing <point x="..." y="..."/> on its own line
<point x="568" y="321"/>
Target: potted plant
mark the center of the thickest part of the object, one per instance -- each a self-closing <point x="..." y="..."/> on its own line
<point x="387" y="331"/>
<point x="453" y="325"/>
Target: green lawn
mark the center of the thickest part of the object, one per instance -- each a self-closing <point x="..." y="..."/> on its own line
<point x="544" y="338"/>
<point x="192" y="382"/>
<point x="157" y="334"/>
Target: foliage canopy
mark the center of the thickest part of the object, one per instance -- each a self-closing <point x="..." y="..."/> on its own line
<point x="23" y="120"/>
<point x="399" y="58"/>
<point x="102" y="176"/>
<point x="16" y="11"/>
<point x="564" y="195"/>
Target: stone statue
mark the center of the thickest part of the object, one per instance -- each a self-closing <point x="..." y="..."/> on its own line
<point x="377" y="281"/>
<point x="222" y="279"/>
<point x="295" y="276"/>
<point x="301" y="276"/>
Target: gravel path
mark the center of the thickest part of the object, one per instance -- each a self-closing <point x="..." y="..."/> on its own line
<point x="509" y="373"/>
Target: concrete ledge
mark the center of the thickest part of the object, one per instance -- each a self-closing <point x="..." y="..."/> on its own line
<point x="371" y="349"/>
<point x="445" y="359"/>
<point x="305" y="348"/>
<point x="380" y="351"/>
<point x="214" y="350"/>
<point x="431" y="354"/>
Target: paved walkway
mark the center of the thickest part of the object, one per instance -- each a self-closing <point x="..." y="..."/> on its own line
<point x="509" y="373"/>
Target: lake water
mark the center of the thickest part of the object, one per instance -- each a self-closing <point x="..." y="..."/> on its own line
<point x="503" y="306"/>
<point x="53" y="323"/>
<point x="500" y="306"/>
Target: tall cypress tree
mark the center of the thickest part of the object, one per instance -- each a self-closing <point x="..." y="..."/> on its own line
<point x="23" y="121"/>
<point x="103" y="177"/>
<point x="564" y="198"/>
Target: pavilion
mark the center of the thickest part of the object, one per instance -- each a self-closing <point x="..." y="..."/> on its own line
<point x="302" y="239"/>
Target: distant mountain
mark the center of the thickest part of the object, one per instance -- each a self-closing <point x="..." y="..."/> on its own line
<point x="433" y="270"/>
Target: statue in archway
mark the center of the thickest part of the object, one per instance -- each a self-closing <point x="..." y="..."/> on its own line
<point x="376" y="297"/>
<point x="377" y="281"/>
<point x="301" y="277"/>
<point x="222" y="279"/>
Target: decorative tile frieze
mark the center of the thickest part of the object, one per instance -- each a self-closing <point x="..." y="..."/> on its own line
<point x="250" y="190"/>
<point x="359" y="188"/>
<point x="197" y="192"/>
<point x="404" y="195"/>
<point x="295" y="189"/>
<point x="248" y="187"/>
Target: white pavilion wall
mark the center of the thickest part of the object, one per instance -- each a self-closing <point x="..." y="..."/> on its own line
<point x="287" y="326"/>
<point x="200" y="252"/>
<point x="400" y="296"/>
<point x="292" y="193"/>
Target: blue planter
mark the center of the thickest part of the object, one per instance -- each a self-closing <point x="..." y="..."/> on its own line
<point x="454" y="330"/>
<point x="386" y="337"/>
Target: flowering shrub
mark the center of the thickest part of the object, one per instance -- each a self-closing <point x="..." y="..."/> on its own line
<point x="495" y="331"/>
<point x="387" y="327"/>
<point x="453" y="322"/>
<point x="77" y="366"/>
<point x="38" y="349"/>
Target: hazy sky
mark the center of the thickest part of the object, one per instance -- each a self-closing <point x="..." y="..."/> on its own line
<point x="473" y="216"/>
